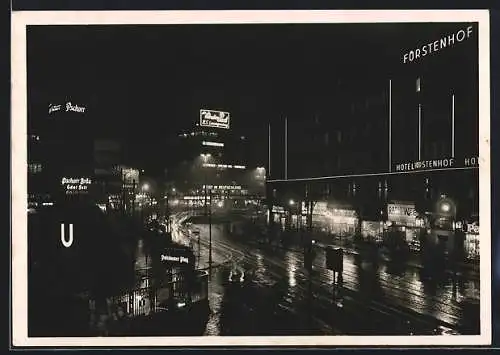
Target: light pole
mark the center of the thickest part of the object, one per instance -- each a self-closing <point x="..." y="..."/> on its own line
<point x="205" y="158"/>
<point x="292" y="207"/>
<point x="145" y="189"/>
<point x="210" y="235"/>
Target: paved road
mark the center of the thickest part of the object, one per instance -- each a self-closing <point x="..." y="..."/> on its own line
<point x="278" y="297"/>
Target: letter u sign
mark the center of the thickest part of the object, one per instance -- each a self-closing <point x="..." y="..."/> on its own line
<point x="67" y="242"/>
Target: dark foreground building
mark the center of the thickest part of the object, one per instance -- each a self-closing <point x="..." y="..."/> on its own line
<point x="86" y="276"/>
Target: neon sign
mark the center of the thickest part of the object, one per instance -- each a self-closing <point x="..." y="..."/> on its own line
<point x="401" y="210"/>
<point x="437" y="45"/>
<point x="76" y="185"/>
<point x="68" y="107"/>
<point x="444" y="163"/>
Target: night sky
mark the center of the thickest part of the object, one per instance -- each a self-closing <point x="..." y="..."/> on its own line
<point x="149" y="82"/>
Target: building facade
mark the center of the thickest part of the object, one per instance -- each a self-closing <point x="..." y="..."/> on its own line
<point x="400" y="148"/>
<point x="212" y="159"/>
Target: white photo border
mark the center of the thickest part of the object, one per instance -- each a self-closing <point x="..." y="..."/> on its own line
<point x="22" y="19"/>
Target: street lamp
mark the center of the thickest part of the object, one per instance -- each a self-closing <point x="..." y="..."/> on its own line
<point x="445" y="207"/>
<point x="205" y="157"/>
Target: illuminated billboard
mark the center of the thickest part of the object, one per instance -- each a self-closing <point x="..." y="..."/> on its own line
<point x="217" y="119"/>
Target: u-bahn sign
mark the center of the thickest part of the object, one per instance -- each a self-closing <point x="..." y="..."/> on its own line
<point x="217" y="119"/>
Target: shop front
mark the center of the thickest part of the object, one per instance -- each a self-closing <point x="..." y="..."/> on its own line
<point x="341" y="221"/>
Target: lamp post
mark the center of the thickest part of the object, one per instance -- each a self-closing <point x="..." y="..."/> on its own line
<point x="205" y="158"/>
<point x="145" y="188"/>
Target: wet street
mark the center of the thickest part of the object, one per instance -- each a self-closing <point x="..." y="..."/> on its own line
<point x="278" y="296"/>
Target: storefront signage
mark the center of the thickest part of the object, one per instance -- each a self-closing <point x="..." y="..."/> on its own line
<point x="217" y="119"/>
<point x="437" y="45"/>
<point x="400" y="212"/>
<point x="444" y="163"/>
<point x="472" y="228"/>
<point x="223" y="187"/>
<point x="76" y="185"/>
<point x="67" y="107"/>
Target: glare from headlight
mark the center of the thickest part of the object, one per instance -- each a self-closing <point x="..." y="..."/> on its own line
<point x="181" y="304"/>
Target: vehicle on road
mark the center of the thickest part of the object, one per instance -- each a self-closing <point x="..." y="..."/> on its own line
<point x="236" y="276"/>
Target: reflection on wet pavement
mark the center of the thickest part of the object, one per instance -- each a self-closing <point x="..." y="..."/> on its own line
<point x="279" y="297"/>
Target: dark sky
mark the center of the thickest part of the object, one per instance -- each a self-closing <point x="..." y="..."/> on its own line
<point x="147" y="82"/>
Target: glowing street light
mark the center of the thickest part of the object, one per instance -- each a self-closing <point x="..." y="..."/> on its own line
<point x="445" y="207"/>
<point x="145" y="187"/>
<point x="292" y="202"/>
<point x="205" y="157"/>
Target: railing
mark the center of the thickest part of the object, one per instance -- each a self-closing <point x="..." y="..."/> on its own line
<point x="179" y="293"/>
